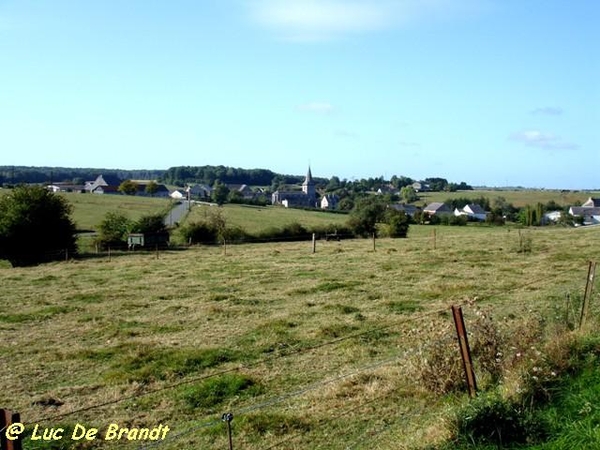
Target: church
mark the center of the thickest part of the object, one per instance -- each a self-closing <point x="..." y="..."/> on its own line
<point x="296" y="199"/>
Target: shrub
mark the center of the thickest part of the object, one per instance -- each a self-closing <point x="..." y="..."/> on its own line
<point x="35" y="226"/>
<point x="113" y="230"/>
<point x="490" y="419"/>
<point x="199" y="233"/>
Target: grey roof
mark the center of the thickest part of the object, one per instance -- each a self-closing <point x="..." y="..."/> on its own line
<point x="437" y="207"/>
<point x="309" y="178"/>
<point x="408" y="209"/>
<point x="476" y="208"/>
<point x="584" y="211"/>
<point x="592" y="202"/>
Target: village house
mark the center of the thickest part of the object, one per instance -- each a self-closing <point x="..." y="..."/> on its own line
<point x="437" y="208"/>
<point x="329" y="201"/>
<point x="473" y="212"/>
<point x="409" y="210"/>
<point x="589" y="211"/>
<point x="104" y="184"/>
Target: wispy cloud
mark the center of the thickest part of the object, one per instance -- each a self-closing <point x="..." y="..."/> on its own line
<point x="540" y="139"/>
<point x="322" y="20"/>
<point x="548" y="111"/>
<point x="317" y="107"/>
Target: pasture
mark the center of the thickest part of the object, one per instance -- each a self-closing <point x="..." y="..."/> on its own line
<point x="90" y="209"/>
<point x="255" y="219"/>
<point x="307" y="350"/>
<point x="518" y="198"/>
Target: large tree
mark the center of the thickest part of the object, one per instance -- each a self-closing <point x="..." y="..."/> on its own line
<point x="35" y="226"/>
<point x="366" y="213"/>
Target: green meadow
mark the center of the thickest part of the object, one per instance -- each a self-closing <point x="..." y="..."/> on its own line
<point x="350" y="347"/>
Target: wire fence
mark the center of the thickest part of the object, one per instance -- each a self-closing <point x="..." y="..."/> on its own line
<point x="376" y="424"/>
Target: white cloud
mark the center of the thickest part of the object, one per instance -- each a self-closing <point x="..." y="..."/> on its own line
<point x="548" y="111"/>
<point x="317" y="107"/>
<point x="539" y="139"/>
<point x="322" y="20"/>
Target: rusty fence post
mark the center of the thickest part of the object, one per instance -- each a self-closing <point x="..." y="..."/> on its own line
<point x="465" y="351"/>
<point x="8" y="418"/>
<point x="589" y="287"/>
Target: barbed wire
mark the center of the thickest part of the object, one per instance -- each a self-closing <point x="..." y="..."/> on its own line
<point x="233" y="369"/>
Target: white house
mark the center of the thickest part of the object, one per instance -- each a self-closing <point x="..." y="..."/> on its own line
<point x="473" y="211"/>
<point x="329" y="201"/>
<point x="589" y="210"/>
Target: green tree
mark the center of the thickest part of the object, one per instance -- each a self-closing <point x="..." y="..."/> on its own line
<point x="220" y="193"/>
<point x="152" y="223"/>
<point x="409" y="194"/>
<point x="397" y="223"/>
<point x="364" y="216"/>
<point x="151" y="188"/>
<point x="128" y="187"/>
<point x="35" y="226"/>
<point x="113" y="230"/>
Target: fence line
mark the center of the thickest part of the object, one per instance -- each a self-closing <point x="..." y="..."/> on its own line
<point x="235" y="369"/>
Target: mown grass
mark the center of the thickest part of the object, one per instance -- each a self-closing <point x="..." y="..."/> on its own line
<point x="518" y="198"/>
<point x="254" y="219"/>
<point x="307" y="350"/>
<point x="90" y="209"/>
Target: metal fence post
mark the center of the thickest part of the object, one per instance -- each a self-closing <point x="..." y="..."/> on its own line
<point x="465" y="351"/>
<point x="8" y="418"/>
<point x="589" y="287"/>
<point x="228" y="417"/>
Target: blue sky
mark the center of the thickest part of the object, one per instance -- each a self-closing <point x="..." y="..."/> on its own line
<point x="491" y="92"/>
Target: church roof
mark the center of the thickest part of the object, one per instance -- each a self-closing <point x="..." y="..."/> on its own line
<point x="309" y="179"/>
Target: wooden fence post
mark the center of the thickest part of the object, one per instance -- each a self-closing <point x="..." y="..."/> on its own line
<point x="589" y="287"/>
<point x="465" y="351"/>
<point x="314" y="243"/>
<point x="8" y="418"/>
<point x="373" y="240"/>
<point x="434" y="238"/>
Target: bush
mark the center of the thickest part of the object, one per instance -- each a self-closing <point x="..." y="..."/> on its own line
<point x="113" y="231"/>
<point x="490" y="419"/>
<point x="199" y="233"/>
<point x="35" y="226"/>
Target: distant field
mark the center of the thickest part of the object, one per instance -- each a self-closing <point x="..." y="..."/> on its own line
<point x="307" y="351"/>
<point x="90" y="209"/>
<point x="256" y="218"/>
<point x="517" y="198"/>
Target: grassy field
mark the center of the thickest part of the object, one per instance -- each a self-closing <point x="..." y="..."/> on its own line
<point x="518" y="198"/>
<point x="319" y="351"/>
<point x="89" y="210"/>
<point x="257" y="218"/>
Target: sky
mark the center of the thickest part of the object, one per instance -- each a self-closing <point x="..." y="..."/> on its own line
<point x="490" y="92"/>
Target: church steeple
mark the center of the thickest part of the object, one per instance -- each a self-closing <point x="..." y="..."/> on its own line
<point x="308" y="187"/>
